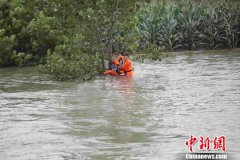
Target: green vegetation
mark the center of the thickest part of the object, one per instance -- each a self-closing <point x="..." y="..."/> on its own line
<point x="25" y="35"/>
<point x="190" y="25"/>
<point x="75" y="38"/>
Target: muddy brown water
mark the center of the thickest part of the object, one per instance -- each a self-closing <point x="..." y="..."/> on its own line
<point x="147" y="117"/>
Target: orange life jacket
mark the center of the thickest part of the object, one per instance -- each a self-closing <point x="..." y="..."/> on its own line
<point x="127" y="68"/>
<point x="117" y="60"/>
<point x="117" y="63"/>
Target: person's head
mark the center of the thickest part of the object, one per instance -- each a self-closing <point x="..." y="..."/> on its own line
<point x="126" y="57"/>
<point x="121" y="53"/>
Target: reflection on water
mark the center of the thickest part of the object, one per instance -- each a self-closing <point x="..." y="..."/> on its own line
<point x="148" y="116"/>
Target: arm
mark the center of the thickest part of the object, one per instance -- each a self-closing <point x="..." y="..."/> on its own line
<point x="120" y="64"/>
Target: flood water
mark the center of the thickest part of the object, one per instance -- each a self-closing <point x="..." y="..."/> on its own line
<point x="150" y="116"/>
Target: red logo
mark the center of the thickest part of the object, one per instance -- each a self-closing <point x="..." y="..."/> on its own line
<point x="191" y="142"/>
<point x="220" y="143"/>
<point x="205" y="144"/>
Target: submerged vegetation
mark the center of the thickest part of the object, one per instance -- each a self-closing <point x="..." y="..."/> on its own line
<point x="74" y="39"/>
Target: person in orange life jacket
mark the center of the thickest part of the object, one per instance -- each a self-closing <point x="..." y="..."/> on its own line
<point x="127" y="66"/>
<point x="117" y="63"/>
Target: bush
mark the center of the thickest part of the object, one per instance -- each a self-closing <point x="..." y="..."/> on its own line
<point x="7" y="44"/>
<point x="67" y="63"/>
<point x="26" y="34"/>
<point x="42" y="35"/>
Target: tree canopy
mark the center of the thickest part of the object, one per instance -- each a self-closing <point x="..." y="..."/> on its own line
<point x="75" y="38"/>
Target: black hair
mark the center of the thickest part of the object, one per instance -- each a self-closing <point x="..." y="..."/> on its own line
<point x="126" y="55"/>
<point x="121" y="53"/>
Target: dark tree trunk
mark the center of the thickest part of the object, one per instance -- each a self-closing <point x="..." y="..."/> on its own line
<point x="110" y="55"/>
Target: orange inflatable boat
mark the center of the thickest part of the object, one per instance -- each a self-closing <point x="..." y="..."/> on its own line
<point x="114" y="73"/>
<point x="110" y="72"/>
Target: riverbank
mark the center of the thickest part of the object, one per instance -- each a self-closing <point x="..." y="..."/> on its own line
<point x="204" y="52"/>
<point x="155" y="55"/>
